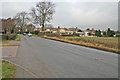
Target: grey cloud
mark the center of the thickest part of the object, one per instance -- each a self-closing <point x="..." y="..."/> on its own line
<point x="73" y="14"/>
<point x="99" y="15"/>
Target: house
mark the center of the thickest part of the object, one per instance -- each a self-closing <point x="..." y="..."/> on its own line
<point x="69" y="31"/>
<point x="81" y="33"/>
<point x="30" y="27"/>
<point x="117" y="34"/>
<point x="47" y="29"/>
<point x="93" y="32"/>
<point x="17" y="30"/>
<point x="37" y="29"/>
<point x="87" y="33"/>
<point x="51" y="29"/>
<point x="61" y="31"/>
<point x="102" y="32"/>
<point x="72" y="30"/>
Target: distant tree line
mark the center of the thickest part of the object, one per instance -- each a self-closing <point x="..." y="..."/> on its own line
<point x="108" y="33"/>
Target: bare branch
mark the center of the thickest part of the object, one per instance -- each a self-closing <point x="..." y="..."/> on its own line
<point x="42" y="13"/>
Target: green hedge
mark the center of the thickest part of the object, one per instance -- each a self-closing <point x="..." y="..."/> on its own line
<point x="53" y="35"/>
<point x="49" y="34"/>
<point x="8" y="36"/>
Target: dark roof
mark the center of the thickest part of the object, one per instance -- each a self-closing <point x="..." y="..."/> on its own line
<point x="80" y="30"/>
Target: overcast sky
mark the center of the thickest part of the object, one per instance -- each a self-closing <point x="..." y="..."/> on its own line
<point x="71" y="13"/>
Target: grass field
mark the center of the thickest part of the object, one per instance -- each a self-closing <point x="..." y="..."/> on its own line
<point x="110" y="42"/>
<point x="7" y="69"/>
<point x="92" y="37"/>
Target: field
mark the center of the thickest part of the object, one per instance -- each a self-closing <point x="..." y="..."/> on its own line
<point x="110" y="42"/>
<point x="7" y="69"/>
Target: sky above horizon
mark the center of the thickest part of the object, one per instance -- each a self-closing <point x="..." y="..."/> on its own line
<point x="71" y="13"/>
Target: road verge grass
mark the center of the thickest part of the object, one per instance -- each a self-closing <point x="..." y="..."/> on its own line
<point x="8" y="69"/>
<point x="35" y="35"/>
<point x="17" y="38"/>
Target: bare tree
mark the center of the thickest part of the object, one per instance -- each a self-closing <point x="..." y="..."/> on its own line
<point x="21" y="20"/>
<point x="8" y="25"/>
<point x="42" y="13"/>
<point x="34" y="18"/>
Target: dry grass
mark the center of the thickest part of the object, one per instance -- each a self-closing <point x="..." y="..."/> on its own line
<point x="98" y="43"/>
<point x="107" y="42"/>
<point x="15" y="44"/>
<point x="6" y="43"/>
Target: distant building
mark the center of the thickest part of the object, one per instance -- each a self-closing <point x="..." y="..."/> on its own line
<point x="117" y="34"/>
<point x="30" y="28"/>
<point x="36" y="29"/>
<point x="92" y="32"/>
<point x="88" y="33"/>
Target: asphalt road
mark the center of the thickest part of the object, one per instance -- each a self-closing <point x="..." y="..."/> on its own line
<point x="52" y="59"/>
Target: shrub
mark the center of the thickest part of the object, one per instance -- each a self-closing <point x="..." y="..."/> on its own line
<point x="32" y="32"/>
<point x="8" y="36"/>
<point x="41" y="34"/>
<point x="53" y="35"/>
<point x="36" y="32"/>
<point x="17" y="38"/>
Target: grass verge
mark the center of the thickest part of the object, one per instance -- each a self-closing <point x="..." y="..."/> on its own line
<point x="8" y="69"/>
<point x="17" y="38"/>
<point x="35" y="35"/>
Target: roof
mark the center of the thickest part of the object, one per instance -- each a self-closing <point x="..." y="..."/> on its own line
<point x="51" y="28"/>
<point x="71" y="29"/>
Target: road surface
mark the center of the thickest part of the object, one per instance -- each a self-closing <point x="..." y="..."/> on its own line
<point x="52" y="59"/>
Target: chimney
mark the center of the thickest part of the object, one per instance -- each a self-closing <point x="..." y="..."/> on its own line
<point x="76" y="29"/>
<point x="58" y="29"/>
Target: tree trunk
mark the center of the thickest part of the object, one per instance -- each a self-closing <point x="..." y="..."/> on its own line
<point x="43" y="27"/>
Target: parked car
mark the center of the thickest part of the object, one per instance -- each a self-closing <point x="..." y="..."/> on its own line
<point x="24" y="33"/>
<point x="29" y="34"/>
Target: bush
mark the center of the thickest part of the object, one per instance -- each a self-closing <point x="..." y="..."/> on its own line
<point x="17" y="38"/>
<point x="8" y="36"/>
<point x="36" y="32"/>
<point x="41" y="34"/>
<point x="32" y="32"/>
<point x="67" y="35"/>
<point x="53" y="35"/>
<point x="26" y="32"/>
